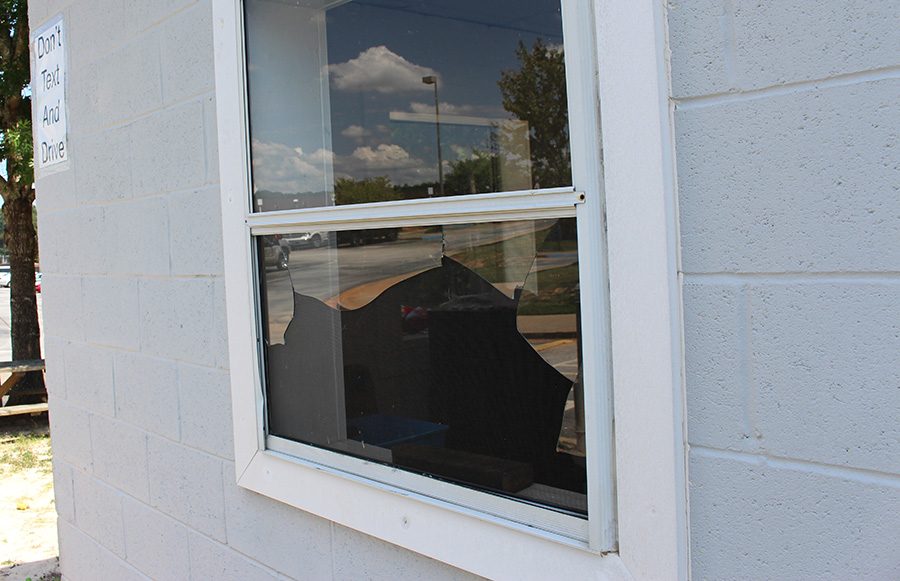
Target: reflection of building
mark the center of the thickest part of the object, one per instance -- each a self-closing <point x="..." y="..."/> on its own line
<point x="510" y="142"/>
<point x="267" y="201"/>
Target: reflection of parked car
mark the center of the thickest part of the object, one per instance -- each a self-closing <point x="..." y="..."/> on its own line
<point x="360" y="237"/>
<point x="37" y="282"/>
<point x="277" y="252"/>
<point x="4" y="276"/>
<point x="306" y="239"/>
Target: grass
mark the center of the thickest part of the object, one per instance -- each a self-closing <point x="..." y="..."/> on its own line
<point x="557" y="295"/>
<point x="25" y="451"/>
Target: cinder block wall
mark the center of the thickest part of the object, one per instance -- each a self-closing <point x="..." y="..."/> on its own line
<point x="786" y="126"/>
<point x="137" y="365"/>
<point x="787" y="121"/>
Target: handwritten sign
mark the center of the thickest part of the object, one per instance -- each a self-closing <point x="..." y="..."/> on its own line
<point x="49" y="92"/>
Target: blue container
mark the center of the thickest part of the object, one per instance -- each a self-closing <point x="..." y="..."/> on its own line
<point x="388" y="431"/>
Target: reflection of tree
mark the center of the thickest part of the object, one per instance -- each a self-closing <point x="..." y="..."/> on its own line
<point x="536" y="93"/>
<point x="474" y="175"/>
<point x="375" y="189"/>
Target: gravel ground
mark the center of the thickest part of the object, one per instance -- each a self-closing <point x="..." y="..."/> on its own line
<point x="28" y="545"/>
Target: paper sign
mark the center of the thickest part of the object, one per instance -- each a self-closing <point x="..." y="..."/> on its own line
<point x="48" y="86"/>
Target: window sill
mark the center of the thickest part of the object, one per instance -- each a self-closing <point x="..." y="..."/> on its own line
<point x="471" y="540"/>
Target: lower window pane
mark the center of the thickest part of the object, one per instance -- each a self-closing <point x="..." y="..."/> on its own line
<point x="451" y="351"/>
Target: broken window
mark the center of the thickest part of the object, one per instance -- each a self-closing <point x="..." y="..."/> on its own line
<point x="450" y="351"/>
<point x="409" y="318"/>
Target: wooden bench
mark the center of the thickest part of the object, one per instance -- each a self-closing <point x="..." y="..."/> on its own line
<point x="17" y="370"/>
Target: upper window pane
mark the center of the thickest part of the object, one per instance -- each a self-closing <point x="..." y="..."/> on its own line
<point x="380" y="100"/>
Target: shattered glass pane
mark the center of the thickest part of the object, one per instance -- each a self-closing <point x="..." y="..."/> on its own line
<point x="451" y="351"/>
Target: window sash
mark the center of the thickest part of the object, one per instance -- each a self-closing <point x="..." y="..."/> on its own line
<point x="567" y="527"/>
<point x="584" y="201"/>
<point x="527" y="205"/>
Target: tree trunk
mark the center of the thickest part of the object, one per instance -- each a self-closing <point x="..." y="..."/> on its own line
<point x="21" y="242"/>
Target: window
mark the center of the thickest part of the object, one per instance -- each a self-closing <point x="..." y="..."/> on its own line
<point x="419" y="326"/>
<point x="449" y="350"/>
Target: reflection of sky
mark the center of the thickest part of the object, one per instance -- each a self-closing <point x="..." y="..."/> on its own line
<point x="378" y="50"/>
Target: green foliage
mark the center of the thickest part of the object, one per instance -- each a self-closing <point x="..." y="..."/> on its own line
<point x="376" y="189"/>
<point x="536" y="93"/>
<point x="15" y="71"/>
<point x="474" y="175"/>
<point x="16" y="147"/>
<point x="15" y="104"/>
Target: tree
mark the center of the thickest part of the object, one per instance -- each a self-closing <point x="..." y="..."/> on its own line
<point x="16" y="148"/>
<point x="536" y="93"/>
<point x="374" y="189"/>
<point x="474" y="175"/>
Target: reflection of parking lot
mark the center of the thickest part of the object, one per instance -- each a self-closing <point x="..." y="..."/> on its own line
<point x="354" y="276"/>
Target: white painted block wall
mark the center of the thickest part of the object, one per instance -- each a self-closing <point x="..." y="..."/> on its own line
<point x="131" y="249"/>
<point x="786" y="126"/>
<point x="787" y="121"/>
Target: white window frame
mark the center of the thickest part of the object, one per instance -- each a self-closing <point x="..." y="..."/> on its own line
<point x="631" y="323"/>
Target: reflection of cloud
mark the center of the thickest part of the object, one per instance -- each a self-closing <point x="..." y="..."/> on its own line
<point x="279" y="168"/>
<point x="356" y="132"/>
<point x="379" y="69"/>
<point x="385" y="159"/>
<point x="446" y="108"/>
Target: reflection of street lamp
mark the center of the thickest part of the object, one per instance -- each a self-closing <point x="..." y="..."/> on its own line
<point x="432" y="80"/>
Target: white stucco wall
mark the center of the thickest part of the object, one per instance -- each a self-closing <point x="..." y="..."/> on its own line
<point x="787" y="120"/>
<point x="786" y="133"/>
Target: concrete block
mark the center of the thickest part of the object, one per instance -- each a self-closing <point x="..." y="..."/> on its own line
<point x="212" y="140"/>
<point x="98" y="512"/>
<point x="156" y="544"/>
<point x="187" y="485"/>
<point x="89" y="373"/>
<point x="83" y="559"/>
<point x="63" y="491"/>
<point x="63" y="312"/>
<point x="195" y="229"/>
<point x="799" y="182"/>
<point x="212" y="560"/>
<point x="119" y="85"/>
<point x="277" y="535"/>
<point x="359" y="556"/>
<point x="55" y="191"/>
<point x="177" y="319"/>
<point x="70" y="427"/>
<point x="101" y="26"/>
<point x="111" y="314"/>
<point x="71" y="241"/>
<point x="699" y="36"/>
<point x="825" y="372"/>
<point x="151" y="13"/>
<point x="220" y="325"/>
<point x="147" y="393"/>
<point x="120" y="456"/>
<point x="106" y="165"/>
<point x="55" y="371"/>
<point x="137" y="237"/>
<point x="752" y="521"/>
<point x="172" y="139"/>
<point x="795" y="40"/>
<point x="715" y="331"/>
<point x="187" y="60"/>
<point x="204" y="397"/>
